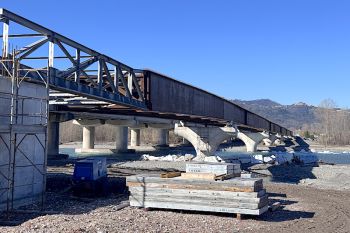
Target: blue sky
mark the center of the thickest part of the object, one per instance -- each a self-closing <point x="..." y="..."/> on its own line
<point x="288" y="51"/>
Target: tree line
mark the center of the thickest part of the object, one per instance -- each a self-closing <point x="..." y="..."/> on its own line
<point x="332" y="127"/>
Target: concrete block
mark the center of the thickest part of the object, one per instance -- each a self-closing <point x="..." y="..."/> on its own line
<point x="248" y="175"/>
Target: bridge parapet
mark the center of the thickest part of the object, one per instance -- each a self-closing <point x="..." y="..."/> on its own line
<point x="172" y="96"/>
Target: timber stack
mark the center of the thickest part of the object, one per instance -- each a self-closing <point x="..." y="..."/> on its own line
<point x="237" y="195"/>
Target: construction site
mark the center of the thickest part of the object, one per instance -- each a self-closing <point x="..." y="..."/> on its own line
<point x="204" y="164"/>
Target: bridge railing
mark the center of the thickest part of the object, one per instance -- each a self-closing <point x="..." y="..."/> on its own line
<point x="86" y="73"/>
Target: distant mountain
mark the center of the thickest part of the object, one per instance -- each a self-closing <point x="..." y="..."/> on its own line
<point x="293" y="116"/>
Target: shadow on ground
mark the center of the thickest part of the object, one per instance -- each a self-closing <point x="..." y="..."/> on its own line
<point x="60" y="200"/>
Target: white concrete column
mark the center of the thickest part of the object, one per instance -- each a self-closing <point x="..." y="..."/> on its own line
<point x="162" y="137"/>
<point x="53" y="139"/>
<point x="88" y="137"/>
<point x="121" y="143"/>
<point x="252" y="140"/>
<point x="270" y="140"/>
<point x="135" y="137"/>
<point x="89" y="127"/>
<point x="205" y="140"/>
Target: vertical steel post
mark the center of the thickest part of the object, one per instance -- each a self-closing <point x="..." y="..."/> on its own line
<point x="77" y="64"/>
<point x="13" y="135"/>
<point x="51" y="53"/>
<point x="130" y="82"/>
<point x="5" y="39"/>
<point x="99" y="76"/>
<point x="115" y="78"/>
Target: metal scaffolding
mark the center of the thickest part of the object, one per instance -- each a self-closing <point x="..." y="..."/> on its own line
<point x="24" y="119"/>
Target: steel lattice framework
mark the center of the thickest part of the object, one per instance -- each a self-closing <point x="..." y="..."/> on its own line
<point x="112" y="82"/>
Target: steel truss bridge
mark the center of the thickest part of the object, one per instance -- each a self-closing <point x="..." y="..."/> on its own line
<point x="82" y="80"/>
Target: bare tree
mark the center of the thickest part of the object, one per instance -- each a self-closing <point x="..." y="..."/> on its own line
<point x="334" y="126"/>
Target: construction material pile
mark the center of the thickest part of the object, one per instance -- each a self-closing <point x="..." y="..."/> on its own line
<point x="203" y="191"/>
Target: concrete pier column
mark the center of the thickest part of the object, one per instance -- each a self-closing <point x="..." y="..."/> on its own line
<point x="135" y="137"/>
<point x="252" y="140"/>
<point x="89" y="127"/>
<point x="162" y="137"/>
<point x="270" y="140"/>
<point x="53" y="139"/>
<point x="121" y="144"/>
<point x="88" y="137"/>
<point x="205" y="140"/>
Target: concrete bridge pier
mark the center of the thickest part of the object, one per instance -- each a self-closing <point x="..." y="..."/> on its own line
<point x="205" y="140"/>
<point x="53" y="139"/>
<point x="121" y="136"/>
<point x="252" y="140"/>
<point x="135" y="137"/>
<point x="162" y="138"/>
<point x="88" y="137"/>
<point x="270" y="140"/>
<point x="88" y="134"/>
<point x="278" y="140"/>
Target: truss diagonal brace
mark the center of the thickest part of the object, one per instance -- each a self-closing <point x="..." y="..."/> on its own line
<point x="82" y="66"/>
<point x="119" y="73"/>
<point x="27" y="50"/>
<point x="133" y="76"/>
<point x="108" y="75"/>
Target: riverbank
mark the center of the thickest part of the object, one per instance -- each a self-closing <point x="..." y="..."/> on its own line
<point x="316" y="147"/>
<point x="314" y="199"/>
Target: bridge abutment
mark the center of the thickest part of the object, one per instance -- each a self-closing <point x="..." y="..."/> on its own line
<point x="252" y="140"/>
<point x="205" y="140"/>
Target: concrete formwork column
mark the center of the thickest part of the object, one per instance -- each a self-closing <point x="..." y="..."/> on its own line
<point x="135" y="137"/>
<point x="53" y="139"/>
<point x="88" y="137"/>
<point x="162" y="137"/>
<point x="121" y="143"/>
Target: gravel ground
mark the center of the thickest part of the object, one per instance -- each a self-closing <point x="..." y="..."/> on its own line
<point x="304" y="209"/>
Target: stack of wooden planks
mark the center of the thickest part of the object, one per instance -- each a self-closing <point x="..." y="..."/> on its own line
<point x="236" y="195"/>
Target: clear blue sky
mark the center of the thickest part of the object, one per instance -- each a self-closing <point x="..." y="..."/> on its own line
<point x="285" y="50"/>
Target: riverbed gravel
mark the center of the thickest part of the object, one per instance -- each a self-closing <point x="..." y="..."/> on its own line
<point x="304" y="209"/>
